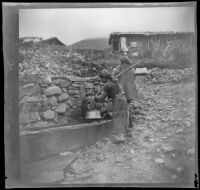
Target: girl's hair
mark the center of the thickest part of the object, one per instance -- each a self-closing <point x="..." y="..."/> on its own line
<point x="125" y="60"/>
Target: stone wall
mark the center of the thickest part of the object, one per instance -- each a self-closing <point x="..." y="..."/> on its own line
<point x="55" y="100"/>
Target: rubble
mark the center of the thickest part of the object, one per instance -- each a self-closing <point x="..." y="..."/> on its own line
<point x="159" y="160"/>
<point x="168" y="148"/>
<point x="170" y="75"/>
<point x="55" y="59"/>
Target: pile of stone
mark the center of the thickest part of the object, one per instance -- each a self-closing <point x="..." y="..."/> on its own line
<point x="170" y="75"/>
<point x="55" y="60"/>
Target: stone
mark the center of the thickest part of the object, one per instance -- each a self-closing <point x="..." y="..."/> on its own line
<point x="26" y="79"/>
<point x="151" y="139"/>
<point x="73" y="88"/>
<point x="101" y="157"/>
<point x="28" y="85"/>
<point x="48" y="115"/>
<point x="67" y="153"/>
<point x="53" y="90"/>
<point x="70" y="102"/>
<point x="89" y="85"/>
<point x="59" y="81"/>
<point x="61" y="108"/>
<point x="77" y="85"/>
<point x="74" y="92"/>
<point x="64" y="89"/>
<point x="76" y="102"/>
<point x="30" y="107"/>
<point x="118" y="160"/>
<point x="77" y="96"/>
<point x="65" y="84"/>
<point x="168" y="148"/>
<point x="189" y="100"/>
<point x="132" y="151"/>
<point x="173" y="155"/>
<point x="158" y="150"/>
<point x="119" y="138"/>
<point x="63" y="97"/>
<point x="29" y="90"/>
<point x="179" y="169"/>
<point x="159" y="160"/>
<point x="161" y="155"/>
<point x="190" y="151"/>
<point x="44" y="81"/>
<point x="29" y="117"/>
<point x="31" y="99"/>
<point x="188" y="124"/>
<point x="89" y="92"/>
<point x="53" y="101"/>
<point x="179" y="131"/>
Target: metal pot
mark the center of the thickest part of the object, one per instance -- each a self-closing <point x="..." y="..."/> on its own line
<point x="93" y="114"/>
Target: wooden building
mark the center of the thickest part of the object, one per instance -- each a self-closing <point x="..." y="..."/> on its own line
<point x="144" y="43"/>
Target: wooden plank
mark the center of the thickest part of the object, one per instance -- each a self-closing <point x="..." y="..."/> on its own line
<point x="75" y="79"/>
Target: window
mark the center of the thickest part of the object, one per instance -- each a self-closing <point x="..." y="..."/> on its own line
<point x="133" y="44"/>
<point x="136" y="44"/>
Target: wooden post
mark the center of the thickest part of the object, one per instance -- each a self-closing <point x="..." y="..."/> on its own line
<point x="83" y="101"/>
<point x="11" y="126"/>
<point x="142" y="53"/>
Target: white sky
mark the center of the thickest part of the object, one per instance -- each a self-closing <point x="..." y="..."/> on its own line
<point x="72" y="25"/>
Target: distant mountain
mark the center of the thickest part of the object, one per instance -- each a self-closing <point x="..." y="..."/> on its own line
<point x="96" y="43"/>
<point x="29" y="41"/>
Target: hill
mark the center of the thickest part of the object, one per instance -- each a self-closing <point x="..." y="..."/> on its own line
<point x="96" y="43"/>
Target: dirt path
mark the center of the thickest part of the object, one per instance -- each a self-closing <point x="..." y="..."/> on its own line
<point x="161" y="149"/>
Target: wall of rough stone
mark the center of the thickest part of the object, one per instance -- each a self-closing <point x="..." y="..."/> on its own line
<point x="55" y="100"/>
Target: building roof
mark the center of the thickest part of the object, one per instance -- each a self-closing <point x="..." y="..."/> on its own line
<point x="116" y="34"/>
<point x="145" y="33"/>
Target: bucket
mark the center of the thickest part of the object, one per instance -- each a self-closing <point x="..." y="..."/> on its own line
<point x="93" y="114"/>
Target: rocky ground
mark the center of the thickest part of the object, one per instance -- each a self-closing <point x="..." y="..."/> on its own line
<point x="162" y="146"/>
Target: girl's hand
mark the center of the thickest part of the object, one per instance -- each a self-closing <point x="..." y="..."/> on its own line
<point x="115" y="79"/>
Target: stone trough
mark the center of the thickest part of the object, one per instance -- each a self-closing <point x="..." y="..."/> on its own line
<point x="41" y="150"/>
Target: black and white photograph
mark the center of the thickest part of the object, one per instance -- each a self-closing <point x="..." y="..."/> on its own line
<point x="106" y="95"/>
